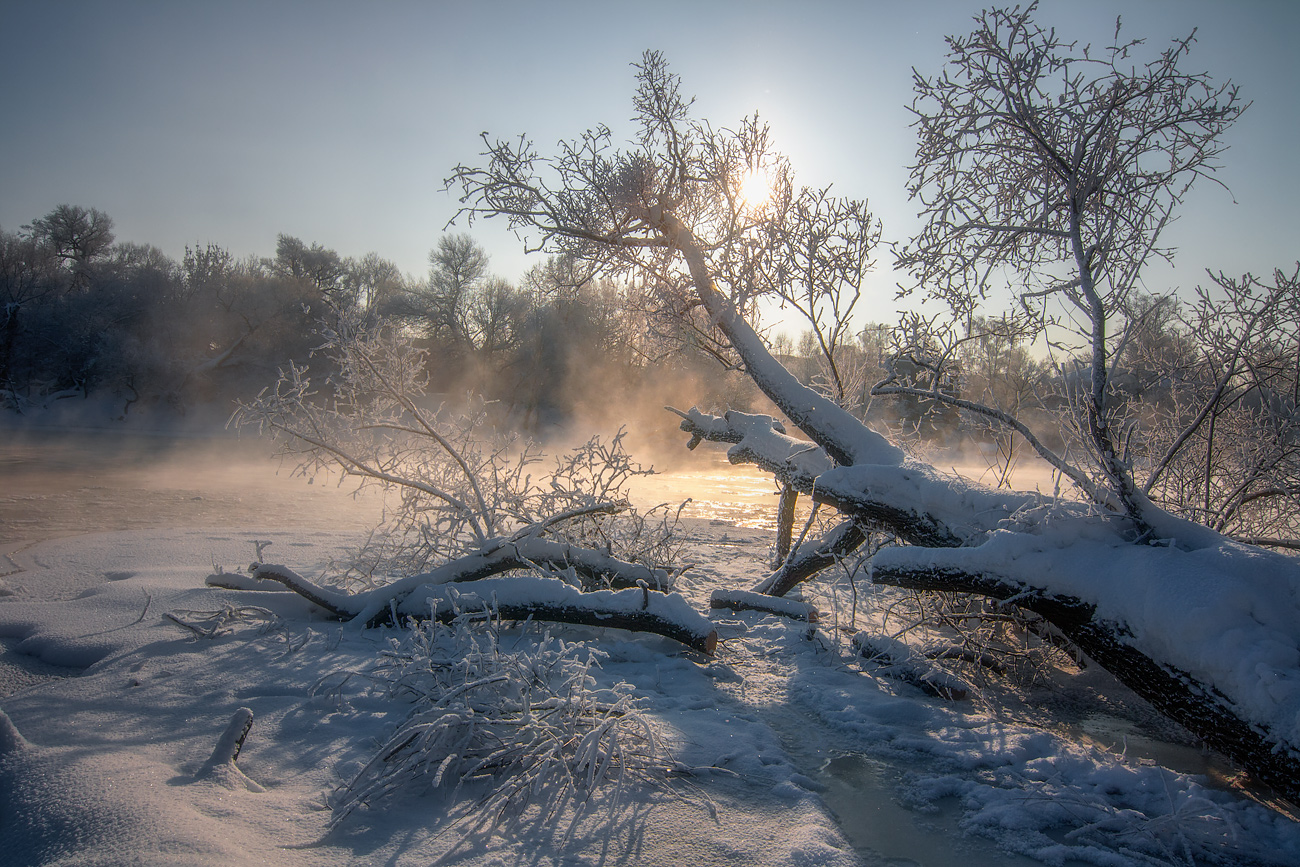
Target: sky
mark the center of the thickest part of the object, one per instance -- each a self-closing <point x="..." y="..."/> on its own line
<point x="233" y="122"/>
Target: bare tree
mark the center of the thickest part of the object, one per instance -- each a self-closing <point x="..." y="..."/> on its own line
<point x="470" y="503"/>
<point x="1222" y="442"/>
<point x="320" y="266"/>
<point x="458" y="265"/>
<point x="668" y="210"/>
<point x="77" y="235"/>
<point x="370" y="284"/>
<point x="1055" y="169"/>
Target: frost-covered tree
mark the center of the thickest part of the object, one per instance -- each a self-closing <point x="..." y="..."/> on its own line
<point x="77" y="235"/>
<point x="1054" y="168"/>
<point x="1112" y="575"/>
<point x="469" y="502"/>
<point x="1221" y="428"/>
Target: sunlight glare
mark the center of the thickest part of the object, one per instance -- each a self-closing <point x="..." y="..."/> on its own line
<point x="755" y="189"/>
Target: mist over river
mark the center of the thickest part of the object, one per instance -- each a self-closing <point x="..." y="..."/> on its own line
<point x="60" y="483"/>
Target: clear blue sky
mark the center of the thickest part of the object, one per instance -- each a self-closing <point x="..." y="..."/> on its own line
<point x="231" y="122"/>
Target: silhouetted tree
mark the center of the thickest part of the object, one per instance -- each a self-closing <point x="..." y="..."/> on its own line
<point x="371" y="284"/>
<point x="29" y="273"/>
<point x="77" y="235"/>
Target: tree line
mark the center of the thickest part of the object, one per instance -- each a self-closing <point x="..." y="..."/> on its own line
<point x="1202" y="387"/>
<point x="83" y="314"/>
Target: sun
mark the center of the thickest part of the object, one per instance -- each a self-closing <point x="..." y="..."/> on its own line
<point x="755" y="189"/>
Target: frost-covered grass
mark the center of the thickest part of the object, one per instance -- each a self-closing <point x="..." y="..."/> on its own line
<point x="509" y="728"/>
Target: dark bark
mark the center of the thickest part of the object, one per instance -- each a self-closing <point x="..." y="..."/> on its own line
<point x="813" y="557"/>
<point x="784" y="524"/>
<point x="1197" y="706"/>
<point x="611" y="618"/>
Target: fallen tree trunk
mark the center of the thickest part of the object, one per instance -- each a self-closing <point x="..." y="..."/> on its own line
<point x="523" y="597"/>
<point x="520" y="597"/>
<point x="1199" y="707"/>
<point x="1190" y="698"/>
<point x="592" y="567"/>
<point x="748" y="600"/>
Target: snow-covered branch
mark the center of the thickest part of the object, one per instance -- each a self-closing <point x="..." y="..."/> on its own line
<point x="519" y="597"/>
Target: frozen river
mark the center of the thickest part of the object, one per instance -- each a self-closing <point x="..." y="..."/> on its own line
<point x="62" y="483"/>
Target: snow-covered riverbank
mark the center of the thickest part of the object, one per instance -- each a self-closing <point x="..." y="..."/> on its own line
<point x="801" y="756"/>
<point x="786" y="732"/>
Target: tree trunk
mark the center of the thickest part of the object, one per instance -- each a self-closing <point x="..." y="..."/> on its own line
<point x="784" y="524"/>
<point x="1197" y="706"/>
<point x="534" y="597"/>
<point x="870" y="482"/>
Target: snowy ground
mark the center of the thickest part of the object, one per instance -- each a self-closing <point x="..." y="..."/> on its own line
<point x="801" y="756"/>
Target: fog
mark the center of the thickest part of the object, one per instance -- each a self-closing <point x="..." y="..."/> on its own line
<point x="59" y="482"/>
<point x="56" y="484"/>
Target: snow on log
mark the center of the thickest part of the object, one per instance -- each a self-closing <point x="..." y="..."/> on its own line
<point x="521" y="597"/>
<point x="891" y="658"/>
<point x="232" y="739"/>
<point x="518" y="598"/>
<point x="493" y="559"/>
<point x="338" y="604"/>
<point x="1209" y="636"/>
<point x="240" y="581"/>
<point x="221" y="767"/>
<point x="910" y="500"/>
<point x="748" y="600"/>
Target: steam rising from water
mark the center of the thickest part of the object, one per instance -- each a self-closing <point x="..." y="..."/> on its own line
<point x="58" y="484"/>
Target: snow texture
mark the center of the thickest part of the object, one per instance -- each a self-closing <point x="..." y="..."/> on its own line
<point x="112" y="766"/>
<point x="1227" y="614"/>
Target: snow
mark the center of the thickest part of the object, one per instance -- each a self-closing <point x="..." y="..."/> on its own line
<point x="113" y="765"/>
<point x="1227" y="614"/>
<point x="952" y="506"/>
<point x="966" y="509"/>
<point x="831" y="422"/>
<point x="742" y="600"/>
<point x="524" y="590"/>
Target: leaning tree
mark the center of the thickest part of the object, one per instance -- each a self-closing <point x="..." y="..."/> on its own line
<point x="1114" y="573"/>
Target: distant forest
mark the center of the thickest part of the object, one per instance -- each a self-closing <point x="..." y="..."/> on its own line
<point x="85" y="315"/>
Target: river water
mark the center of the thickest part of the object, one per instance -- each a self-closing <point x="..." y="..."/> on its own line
<point x="59" y="483"/>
